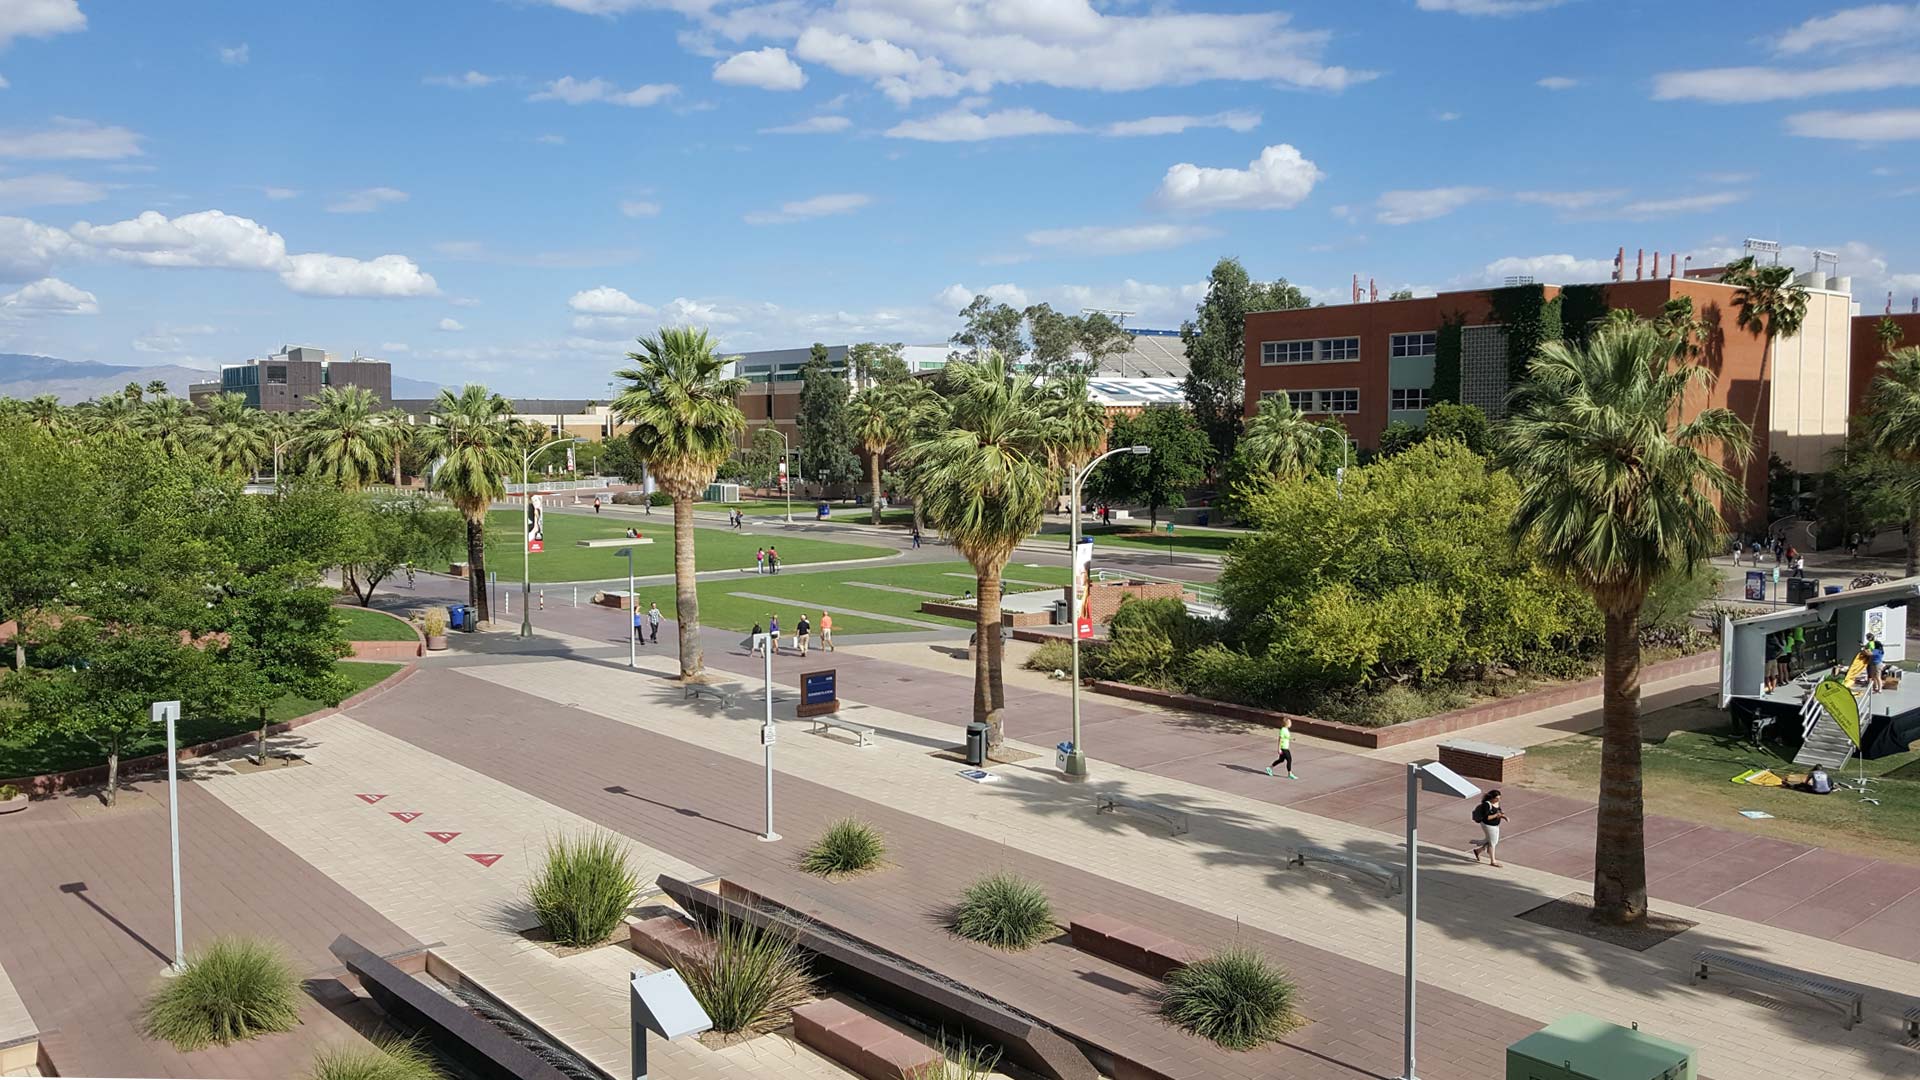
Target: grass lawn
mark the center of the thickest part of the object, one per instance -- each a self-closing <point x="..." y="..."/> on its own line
<point x="365" y="625"/>
<point x="714" y="549"/>
<point x="721" y="604"/>
<point x="1687" y="776"/>
<point x="19" y="757"/>
<point x="1187" y="539"/>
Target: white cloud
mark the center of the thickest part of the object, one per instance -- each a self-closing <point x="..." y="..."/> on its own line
<point x="1153" y="305"/>
<point x="1646" y="209"/>
<point x="1550" y="268"/>
<point x="606" y="300"/>
<point x="170" y="339"/>
<point x="639" y="208"/>
<point x="47" y="189"/>
<point x="388" y="276"/>
<point x="956" y="297"/>
<point x="278" y="194"/>
<point x="1119" y="240"/>
<point x="71" y="140"/>
<point x="1875" y="24"/>
<point x="550" y="140"/>
<point x="577" y="92"/>
<point x="1279" y="179"/>
<point x="818" y="206"/>
<point x="4" y="84"/>
<point x="450" y="326"/>
<point x="235" y="55"/>
<point x="1407" y="207"/>
<point x="28" y="249"/>
<point x="681" y="311"/>
<point x="39" y="18"/>
<point x="470" y="80"/>
<point x="207" y="239"/>
<point x="812" y="125"/>
<point x="1884" y="125"/>
<point x="768" y="68"/>
<point x="1570" y="200"/>
<point x="366" y="200"/>
<point x="464" y="302"/>
<point x="1488" y="7"/>
<point x="1240" y="120"/>
<point x="964" y="125"/>
<point x="1556" y="82"/>
<point x="395" y="347"/>
<point x="48" y="296"/>
<point x="1743" y="85"/>
<point x="1447" y="117"/>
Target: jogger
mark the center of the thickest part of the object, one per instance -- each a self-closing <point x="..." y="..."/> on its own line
<point x="1286" y="748"/>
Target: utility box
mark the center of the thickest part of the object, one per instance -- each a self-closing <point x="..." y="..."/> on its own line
<point x="723" y="493"/>
<point x="1580" y="1047"/>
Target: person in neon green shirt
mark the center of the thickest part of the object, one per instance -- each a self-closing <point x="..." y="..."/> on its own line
<point x="1286" y="748"/>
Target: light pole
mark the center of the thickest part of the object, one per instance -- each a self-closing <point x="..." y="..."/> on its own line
<point x="633" y="604"/>
<point x="786" y="481"/>
<point x="1077" y="760"/>
<point x="767" y="736"/>
<point x="168" y="712"/>
<point x="1435" y="777"/>
<point x="526" y="553"/>
<point x="1340" y="478"/>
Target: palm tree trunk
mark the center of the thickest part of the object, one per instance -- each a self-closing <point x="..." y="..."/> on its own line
<point x="686" y="594"/>
<point x="260" y="743"/>
<point x="873" y="472"/>
<point x="989" y="696"/>
<point x="1620" y="842"/>
<point x="113" y="775"/>
<point x="1913" y="538"/>
<point x="477" y="564"/>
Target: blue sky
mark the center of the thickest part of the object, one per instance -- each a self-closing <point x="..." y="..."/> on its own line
<point x="509" y="191"/>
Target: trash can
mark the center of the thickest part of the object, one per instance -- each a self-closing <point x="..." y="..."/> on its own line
<point x="1060" y="608"/>
<point x="1831" y="589"/>
<point x="1800" y="590"/>
<point x="456" y="616"/>
<point x="823" y="511"/>
<point x="1202" y="519"/>
<point x="1061" y="752"/>
<point x="976" y="744"/>
<point x="469" y="618"/>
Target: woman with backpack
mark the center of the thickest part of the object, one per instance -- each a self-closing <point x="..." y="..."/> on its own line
<point x="1489" y="817"/>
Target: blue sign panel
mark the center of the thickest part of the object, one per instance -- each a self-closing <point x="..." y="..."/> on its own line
<point x="818" y="687"/>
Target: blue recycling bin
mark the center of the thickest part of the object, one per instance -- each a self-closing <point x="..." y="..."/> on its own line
<point x="824" y="511"/>
<point x="1831" y="589"/>
<point x="456" y="616"/>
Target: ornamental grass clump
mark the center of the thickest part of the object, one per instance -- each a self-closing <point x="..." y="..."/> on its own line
<point x="847" y="847"/>
<point x="234" y="989"/>
<point x="398" y="1059"/>
<point x="1235" y="997"/>
<point x="1004" y="911"/>
<point x="960" y="1060"/>
<point x="748" y="979"/>
<point x="582" y="893"/>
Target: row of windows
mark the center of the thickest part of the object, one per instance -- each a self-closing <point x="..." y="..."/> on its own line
<point x="1333" y="350"/>
<point x="1348" y="401"/>
<point x="1420" y="344"/>
<point x="1399" y="400"/>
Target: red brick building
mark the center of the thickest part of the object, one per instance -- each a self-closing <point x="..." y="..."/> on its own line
<point x="1868" y="352"/>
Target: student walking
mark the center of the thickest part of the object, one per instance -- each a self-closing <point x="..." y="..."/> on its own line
<point x="639" y="638"/>
<point x="802" y="634"/>
<point x="596" y="504"/>
<point x="653" y="623"/>
<point x="826" y="631"/>
<point x="1489" y="817"/>
<point x="760" y="561"/>
<point x="773" y="559"/>
<point x="773" y="633"/>
<point x="916" y="536"/>
<point x="1286" y="748"/>
<point x="759" y="640"/>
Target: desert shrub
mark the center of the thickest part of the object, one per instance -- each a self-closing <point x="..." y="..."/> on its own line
<point x="234" y="989"/>
<point x="433" y="623"/>
<point x="659" y="498"/>
<point x="1004" y="911"/>
<point x="397" y="1059"/>
<point x="960" y="1060"/>
<point x="582" y="893"/>
<point x="1677" y="594"/>
<point x="748" y="978"/>
<point x="1056" y="656"/>
<point x="1225" y="674"/>
<point x="9" y="791"/>
<point x="1235" y="997"/>
<point x="847" y="847"/>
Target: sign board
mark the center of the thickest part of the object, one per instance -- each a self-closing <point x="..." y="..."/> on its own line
<point x="819" y="693"/>
<point x="1756" y="585"/>
<point x="536" y="514"/>
<point x="1888" y="625"/>
<point x="768" y="734"/>
<point x="1082" y="597"/>
<point x="1083" y="627"/>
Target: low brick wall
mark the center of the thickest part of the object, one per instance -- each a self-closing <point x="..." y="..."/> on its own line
<point x="1499" y="765"/>
<point x="388" y="651"/>
<point x="966" y="613"/>
<point x="863" y="1043"/>
<point x="1105" y="598"/>
<point x="1413" y="730"/>
<point x="1130" y="946"/>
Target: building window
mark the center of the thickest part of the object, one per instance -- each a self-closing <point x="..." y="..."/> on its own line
<point x="1421" y="344"/>
<point x="1311" y="351"/>
<point x="1340" y="348"/>
<point x="277" y="375"/>
<point x="1338" y="401"/>
<point x="1407" y="400"/>
<point x="1301" y="400"/>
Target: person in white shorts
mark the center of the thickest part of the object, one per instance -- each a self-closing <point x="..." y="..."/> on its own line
<point x="1489" y="817"/>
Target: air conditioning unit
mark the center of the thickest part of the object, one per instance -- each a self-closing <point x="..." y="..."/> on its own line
<point x="1580" y="1047"/>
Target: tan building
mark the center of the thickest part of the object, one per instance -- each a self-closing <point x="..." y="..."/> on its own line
<point x="290" y="379"/>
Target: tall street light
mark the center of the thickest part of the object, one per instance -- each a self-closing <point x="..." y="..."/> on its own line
<point x="633" y="606"/>
<point x="1077" y="760"/>
<point x="526" y="553"/>
<point x="786" y="456"/>
<point x="1435" y="777"/>
<point x="1340" y="478"/>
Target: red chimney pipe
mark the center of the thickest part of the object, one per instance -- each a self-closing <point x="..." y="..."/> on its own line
<point x="1356" y="288"/>
<point x="1373" y="291"/>
<point x="1620" y="264"/>
<point x="1639" y="264"/>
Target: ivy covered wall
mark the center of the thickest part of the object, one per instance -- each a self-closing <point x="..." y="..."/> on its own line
<point x="1531" y="321"/>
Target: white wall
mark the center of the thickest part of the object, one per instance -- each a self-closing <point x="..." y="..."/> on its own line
<point x="1810" y="382"/>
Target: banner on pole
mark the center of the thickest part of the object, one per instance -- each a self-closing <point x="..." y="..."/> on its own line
<point x="1082" y="588"/>
<point x="1833" y="696"/>
<point x="536" y="540"/>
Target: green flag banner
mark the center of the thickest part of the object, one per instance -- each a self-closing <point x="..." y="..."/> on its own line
<point x="1833" y="696"/>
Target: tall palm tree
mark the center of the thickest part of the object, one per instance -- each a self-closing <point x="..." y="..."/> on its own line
<point x="681" y="406"/>
<point x="112" y="416"/>
<point x="469" y="437"/>
<point x="879" y="416"/>
<point x="986" y="478"/>
<point x="1079" y="423"/>
<point x="1770" y="304"/>
<point x="1614" y="494"/>
<point x="1280" y="442"/>
<point x="1892" y="424"/>
<point x="171" y="426"/>
<point x="1889" y="333"/>
<point x="400" y="438"/>
<point x="341" y="440"/>
<point x="46" y="413"/>
<point x="157" y="388"/>
<point x="237" y="436"/>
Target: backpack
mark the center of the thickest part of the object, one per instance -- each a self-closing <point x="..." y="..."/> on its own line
<point x="1480" y="814"/>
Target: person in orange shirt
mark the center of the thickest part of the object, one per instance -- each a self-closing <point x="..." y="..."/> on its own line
<point x="826" y="631"/>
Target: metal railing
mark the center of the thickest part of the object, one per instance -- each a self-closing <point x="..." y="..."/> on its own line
<point x="596" y="484"/>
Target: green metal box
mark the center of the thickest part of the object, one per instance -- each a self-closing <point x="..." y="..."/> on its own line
<point x="1579" y="1047"/>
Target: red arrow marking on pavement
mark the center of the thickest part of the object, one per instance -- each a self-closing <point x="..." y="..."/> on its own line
<point x="443" y="837"/>
<point x="405" y="816"/>
<point x="483" y="860"/>
<point x="369" y="799"/>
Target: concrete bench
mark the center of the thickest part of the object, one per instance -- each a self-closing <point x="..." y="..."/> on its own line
<point x="1107" y="803"/>
<point x="613" y="542"/>
<point x="864" y="735"/>
<point x="1485" y="761"/>
<point x="864" y="1043"/>
<point x="667" y="940"/>
<point x="1387" y="876"/>
<point x="1912" y="1019"/>
<point x="1840" y="997"/>
<point x="1129" y="945"/>
<point x="696" y="691"/>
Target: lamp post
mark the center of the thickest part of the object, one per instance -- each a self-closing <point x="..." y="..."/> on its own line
<point x="168" y="713"/>
<point x="786" y="481"/>
<point x="1077" y="760"/>
<point x="526" y="555"/>
<point x="633" y="603"/>
<point x="1435" y="777"/>
<point x="1340" y="478"/>
<point x="767" y="737"/>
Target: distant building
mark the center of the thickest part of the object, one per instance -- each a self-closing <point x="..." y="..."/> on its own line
<point x="582" y="417"/>
<point x="290" y="379"/>
<point x="1868" y="352"/>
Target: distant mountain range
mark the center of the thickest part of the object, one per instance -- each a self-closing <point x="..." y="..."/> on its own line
<point x="72" y="381"/>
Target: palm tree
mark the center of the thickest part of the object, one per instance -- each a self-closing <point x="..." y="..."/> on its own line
<point x="46" y="413"/>
<point x="1889" y="333"/>
<point x="400" y="437"/>
<point x="469" y="436"/>
<point x="237" y="436"/>
<point x="1772" y="305"/>
<point x="1079" y="422"/>
<point x="341" y="440"/>
<point x="1280" y="442"/>
<point x="111" y="416"/>
<point x="681" y="406"/>
<point x="879" y="416"/>
<point x="171" y="426"/>
<point x="157" y="388"/>
<point x="1892" y="424"/>
<point x="986" y="478"/>
<point x="1614" y="494"/>
<point x="133" y="392"/>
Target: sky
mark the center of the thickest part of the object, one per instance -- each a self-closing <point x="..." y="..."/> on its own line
<point x="511" y="191"/>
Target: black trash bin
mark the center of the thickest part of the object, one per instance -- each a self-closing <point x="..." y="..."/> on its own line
<point x="1802" y="589"/>
<point x="469" y="618"/>
<point x="976" y="744"/>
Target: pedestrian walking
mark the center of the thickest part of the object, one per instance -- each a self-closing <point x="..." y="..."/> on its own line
<point x="1286" y="748"/>
<point x="758" y="638"/>
<point x="648" y="502"/>
<point x="773" y="632"/>
<point x="760" y="561"/>
<point x="1489" y="817"/>
<point x="916" y="536"/>
<point x="596" y="504"/>
<point x="773" y="559"/>
<point x="826" y="631"/>
<point x="638" y="637"/>
<point x="802" y="634"/>
<point x="1756" y="552"/>
<point x="653" y="623"/>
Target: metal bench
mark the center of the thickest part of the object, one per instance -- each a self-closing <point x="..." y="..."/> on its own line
<point x="696" y="691"/>
<point x="863" y="734"/>
<point x="1840" y="997"/>
<point x="1107" y="803"/>
<point x="1387" y="876"/>
<point x="1912" y="1018"/>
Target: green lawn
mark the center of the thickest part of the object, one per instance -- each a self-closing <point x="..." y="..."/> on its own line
<point x="714" y="549"/>
<point x="365" y="625"/>
<point x="1187" y="539"/>
<point x="18" y="757"/>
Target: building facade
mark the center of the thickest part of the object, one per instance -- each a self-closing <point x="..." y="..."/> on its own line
<point x="1868" y="352"/>
<point x="290" y="379"/>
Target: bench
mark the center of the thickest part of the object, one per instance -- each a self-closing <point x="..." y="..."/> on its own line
<point x="1387" y="876"/>
<point x="696" y="691"/>
<point x="862" y="1042"/>
<point x="1912" y="1018"/>
<point x="1840" y="997"/>
<point x="613" y="541"/>
<point x="1107" y="803"/>
<point x="863" y="734"/>
<point x="1129" y="945"/>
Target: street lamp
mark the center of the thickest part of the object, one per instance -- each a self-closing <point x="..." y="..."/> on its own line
<point x="633" y="605"/>
<point x="1077" y="760"/>
<point x="1435" y="777"/>
<point x="786" y="481"/>
<point x="1339" y="478"/>
<point x="526" y="555"/>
